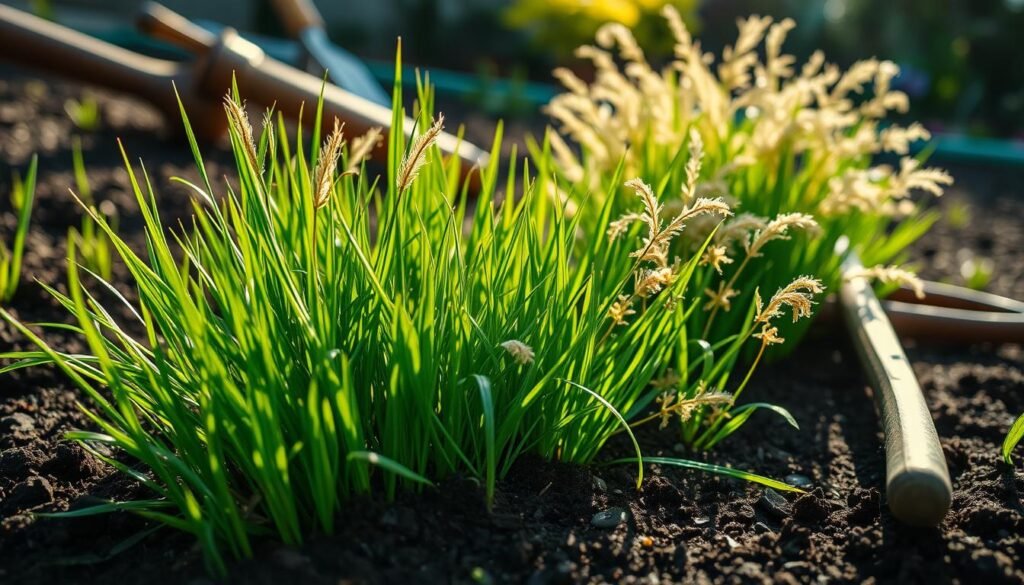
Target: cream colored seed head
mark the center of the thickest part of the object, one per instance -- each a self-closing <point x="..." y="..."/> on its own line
<point x="520" y="352"/>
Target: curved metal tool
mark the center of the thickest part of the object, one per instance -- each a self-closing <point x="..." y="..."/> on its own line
<point x="918" y="488"/>
<point x="302" y="21"/>
<point x="953" y="314"/>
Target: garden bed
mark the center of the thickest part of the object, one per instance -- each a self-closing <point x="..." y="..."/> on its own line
<point x="681" y="526"/>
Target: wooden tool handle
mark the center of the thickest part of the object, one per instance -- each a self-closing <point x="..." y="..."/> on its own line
<point x="159" y="22"/>
<point x="28" y="40"/>
<point x="297" y="15"/>
<point x="943" y="325"/>
<point x="269" y="82"/>
<point x="917" y="480"/>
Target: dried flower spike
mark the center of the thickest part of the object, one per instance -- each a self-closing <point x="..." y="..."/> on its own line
<point x="890" y="275"/>
<point x="621" y="309"/>
<point x="796" y="295"/>
<point x="323" y="176"/>
<point x="714" y="256"/>
<point x="520" y="352"/>
<point x="417" y="155"/>
<point x="778" y="229"/>
<point x="239" y="119"/>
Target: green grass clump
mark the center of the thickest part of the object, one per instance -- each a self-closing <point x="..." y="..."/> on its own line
<point x="322" y="334"/>
<point x="22" y="200"/>
<point x="791" y="149"/>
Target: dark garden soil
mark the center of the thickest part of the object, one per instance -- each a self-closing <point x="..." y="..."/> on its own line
<point x="681" y="526"/>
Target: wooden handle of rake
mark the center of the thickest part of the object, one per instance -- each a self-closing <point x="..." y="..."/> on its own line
<point x="297" y="15"/>
<point x="917" y="480"/>
<point x="293" y="92"/>
<point x="32" y="41"/>
<point x="161" y="23"/>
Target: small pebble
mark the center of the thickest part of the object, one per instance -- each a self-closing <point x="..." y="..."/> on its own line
<point x="600" y="484"/>
<point x="609" y="518"/>
<point x="701" y="520"/>
<point x="646" y="541"/>
<point x="798" y="481"/>
<point x="775" y="504"/>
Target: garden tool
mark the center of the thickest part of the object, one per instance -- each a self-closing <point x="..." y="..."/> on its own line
<point x="953" y="314"/>
<point x="302" y="21"/>
<point x="29" y="40"/>
<point x="918" y="488"/>
<point x="272" y="83"/>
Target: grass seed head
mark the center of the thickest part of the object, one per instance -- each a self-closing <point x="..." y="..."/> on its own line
<point x="417" y="155"/>
<point x="797" y="295"/>
<point x="891" y="274"/>
<point x="520" y="352"/>
<point x="239" y="120"/>
<point x="323" y="177"/>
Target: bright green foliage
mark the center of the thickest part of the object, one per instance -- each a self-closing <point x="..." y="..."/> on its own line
<point x="1012" y="438"/>
<point x="22" y="199"/>
<point x="325" y="334"/>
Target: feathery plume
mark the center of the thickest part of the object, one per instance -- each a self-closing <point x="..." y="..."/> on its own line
<point x="714" y="256"/>
<point x="520" y="352"/>
<point x="796" y="295"/>
<point x="889" y="275"/>
<point x="621" y="309"/>
<point x="417" y="155"/>
<point x="323" y="176"/>
<point x="239" y="120"/>
<point x="778" y="229"/>
<point x="720" y="299"/>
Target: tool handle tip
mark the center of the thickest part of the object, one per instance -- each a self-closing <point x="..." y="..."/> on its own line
<point x="919" y="497"/>
<point x="297" y="15"/>
<point x="163" y="23"/>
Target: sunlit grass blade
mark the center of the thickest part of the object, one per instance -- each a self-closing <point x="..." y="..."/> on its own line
<point x="1012" y="438"/>
<point x="712" y="468"/>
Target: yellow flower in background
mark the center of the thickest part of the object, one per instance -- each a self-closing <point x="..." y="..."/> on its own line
<point x="559" y="26"/>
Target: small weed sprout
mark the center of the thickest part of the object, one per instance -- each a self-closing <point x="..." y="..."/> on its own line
<point x="1012" y="438"/>
<point x="22" y="199"/>
<point x="84" y="113"/>
<point x="93" y="245"/>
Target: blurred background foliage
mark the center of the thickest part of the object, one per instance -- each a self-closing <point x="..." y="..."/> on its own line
<point x="962" y="60"/>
